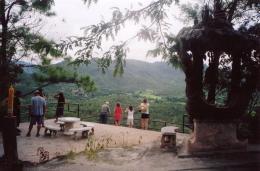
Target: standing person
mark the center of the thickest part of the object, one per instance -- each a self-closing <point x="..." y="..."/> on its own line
<point x="42" y="93"/>
<point x="45" y="98"/>
<point x="60" y="105"/>
<point x="17" y="106"/>
<point x="105" y="111"/>
<point x="117" y="114"/>
<point x="130" y="116"/>
<point x="144" y="108"/>
<point x="38" y="107"/>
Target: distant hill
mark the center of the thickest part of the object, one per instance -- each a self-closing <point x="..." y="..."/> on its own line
<point x="159" y="77"/>
<point x="138" y="75"/>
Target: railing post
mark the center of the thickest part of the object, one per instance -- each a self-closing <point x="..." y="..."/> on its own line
<point x="183" y="121"/>
<point x="78" y="110"/>
<point x="29" y="113"/>
<point x="68" y="107"/>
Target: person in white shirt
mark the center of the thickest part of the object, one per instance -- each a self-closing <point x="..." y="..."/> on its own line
<point x="130" y="116"/>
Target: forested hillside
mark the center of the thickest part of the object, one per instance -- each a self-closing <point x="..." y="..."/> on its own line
<point x="160" y="83"/>
<point x="160" y="77"/>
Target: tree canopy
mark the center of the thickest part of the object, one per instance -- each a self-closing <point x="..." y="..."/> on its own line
<point x="21" y="40"/>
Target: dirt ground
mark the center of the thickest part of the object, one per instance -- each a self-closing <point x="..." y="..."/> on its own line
<point x="109" y="135"/>
<point x="150" y="157"/>
<point x="126" y="149"/>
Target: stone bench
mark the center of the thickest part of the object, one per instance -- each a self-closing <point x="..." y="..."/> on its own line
<point x="88" y="124"/>
<point x="61" y="125"/>
<point x="168" y="136"/>
<point x="83" y="131"/>
<point x="52" y="129"/>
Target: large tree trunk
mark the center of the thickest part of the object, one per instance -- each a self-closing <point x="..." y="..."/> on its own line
<point x="235" y="80"/>
<point x="213" y="77"/>
<point x="194" y="77"/>
<point x="199" y="108"/>
<point x="3" y="55"/>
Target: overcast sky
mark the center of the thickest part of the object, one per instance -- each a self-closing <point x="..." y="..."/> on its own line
<point x="72" y="15"/>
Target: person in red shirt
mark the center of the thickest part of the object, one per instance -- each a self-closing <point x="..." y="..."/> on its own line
<point x="117" y="114"/>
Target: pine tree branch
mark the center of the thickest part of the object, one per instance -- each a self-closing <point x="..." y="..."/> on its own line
<point x="9" y="8"/>
<point x="232" y="10"/>
<point x="30" y="92"/>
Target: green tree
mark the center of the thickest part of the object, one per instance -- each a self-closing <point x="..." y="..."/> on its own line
<point x="20" y="40"/>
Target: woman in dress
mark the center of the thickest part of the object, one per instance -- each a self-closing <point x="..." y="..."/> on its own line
<point x="117" y="114"/>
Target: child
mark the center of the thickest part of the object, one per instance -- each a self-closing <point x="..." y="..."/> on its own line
<point x="117" y="114"/>
<point x="130" y="116"/>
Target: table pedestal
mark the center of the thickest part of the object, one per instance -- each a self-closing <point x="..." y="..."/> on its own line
<point x="68" y="126"/>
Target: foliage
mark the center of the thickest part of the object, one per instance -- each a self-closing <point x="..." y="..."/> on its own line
<point x="94" y="34"/>
<point x="214" y="14"/>
<point x="163" y="86"/>
<point x="138" y="75"/>
<point x="87" y="84"/>
<point x="93" y="146"/>
<point x="232" y="68"/>
<point x="71" y="155"/>
<point x="56" y="74"/>
<point x="20" y="40"/>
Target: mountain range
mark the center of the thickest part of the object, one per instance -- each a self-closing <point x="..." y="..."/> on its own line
<point x="138" y="76"/>
<point x="158" y="77"/>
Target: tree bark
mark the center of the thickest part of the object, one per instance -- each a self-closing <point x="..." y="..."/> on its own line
<point x="194" y="79"/>
<point x="3" y="53"/>
<point x="213" y="67"/>
<point x="234" y="89"/>
<point x="232" y="10"/>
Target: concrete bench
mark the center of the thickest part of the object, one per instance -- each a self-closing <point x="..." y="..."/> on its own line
<point x="61" y="125"/>
<point x="83" y="131"/>
<point x="52" y="129"/>
<point x="168" y="136"/>
<point x="88" y="124"/>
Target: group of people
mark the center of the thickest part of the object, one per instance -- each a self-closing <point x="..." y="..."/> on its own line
<point x="118" y="114"/>
<point x="37" y="110"/>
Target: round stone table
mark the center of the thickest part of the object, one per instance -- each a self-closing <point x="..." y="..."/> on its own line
<point x="68" y="122"/>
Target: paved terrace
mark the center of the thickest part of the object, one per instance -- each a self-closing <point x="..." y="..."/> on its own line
<point x="129" y="149"/>
<point x="61" y="145"/>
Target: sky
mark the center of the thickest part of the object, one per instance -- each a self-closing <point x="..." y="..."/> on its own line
<point x="73" y="15"/>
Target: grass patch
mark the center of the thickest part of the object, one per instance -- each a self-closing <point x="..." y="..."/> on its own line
<point x="93" y="146"/>
<point x="71" y="155"/>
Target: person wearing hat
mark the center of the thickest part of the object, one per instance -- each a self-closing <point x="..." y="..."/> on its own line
<point x="105" y="111"/>
<point x="38" y="107"/>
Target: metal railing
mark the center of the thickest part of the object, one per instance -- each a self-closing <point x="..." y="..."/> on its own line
<point x="75" y="109"/>
<point x="186" y="123"/>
